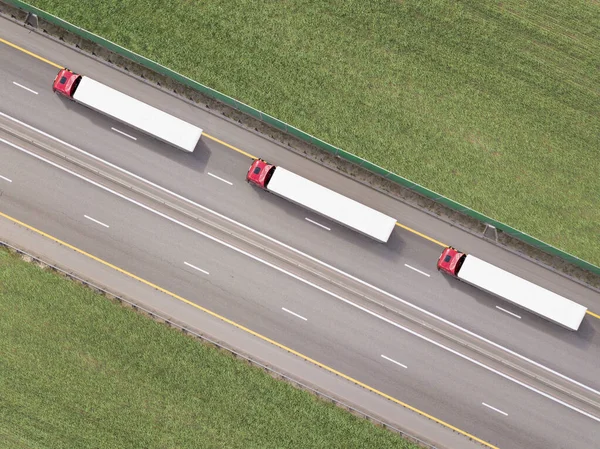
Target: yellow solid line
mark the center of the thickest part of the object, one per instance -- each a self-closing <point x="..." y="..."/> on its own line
<point x="210" y="137"/>
<point x="421" y="235"/>
<point x="239" y="326"/>
<point x="229" y="146"/>
<point x="595" y="315"/>
<point x="30" y="53"/>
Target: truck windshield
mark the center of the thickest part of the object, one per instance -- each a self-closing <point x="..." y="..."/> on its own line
<point x="269" y="175"/>
<point x="75" y="84"/>
<point x="459" y="263"/>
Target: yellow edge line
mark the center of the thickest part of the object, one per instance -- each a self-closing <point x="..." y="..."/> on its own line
<point x="245" y="329"/>
<point x="204" y="134"/>
<point x="10" y="44"/>
<point x="421" y="235"/>
<point x="229" y="146"/>
<point x="595" y="315"/>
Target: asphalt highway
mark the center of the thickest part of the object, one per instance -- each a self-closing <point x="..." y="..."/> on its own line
<point x="272" y="302"/>
<point x="298" y="315"/>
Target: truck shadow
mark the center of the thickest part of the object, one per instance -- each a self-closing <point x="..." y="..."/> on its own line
<point x="583" y="338"/>
<point x="339" y="237"/>
<point x="198" y="160"/>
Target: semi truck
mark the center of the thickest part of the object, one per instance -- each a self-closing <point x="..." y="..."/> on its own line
<point x="127" y="110"/>
<point x="512" y="288"/>
<point x="321" y="200"/>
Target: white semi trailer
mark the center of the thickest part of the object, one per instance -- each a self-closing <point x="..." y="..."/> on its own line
<point x="127" y="110"/>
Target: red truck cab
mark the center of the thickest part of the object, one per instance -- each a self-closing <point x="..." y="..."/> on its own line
<point x="260" y="173"/>
<point x="66" y="82"/>
<point x="450" y="261"/>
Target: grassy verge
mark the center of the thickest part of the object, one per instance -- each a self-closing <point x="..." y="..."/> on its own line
<point x="494" y="104"/>
<point x="77" y="370"/>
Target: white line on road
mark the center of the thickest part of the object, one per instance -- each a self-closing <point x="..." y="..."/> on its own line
<point x="495" y="409"/>
<point x="418" y="271"/>
<point x="318" y="224"/>
<point x="305" y="281"/>
<point x="196" y="268"/>
<point x="125" y="134"/>
<point x="393" y="361"/>
<point x="96" y="221"/>
<point x="26" y="88"/>
<point x="311" y="258"/>
<point x="6" y="179"/>
<point x="510" y="313"/>
<point x="220" y="179"/>
<point x="295" y="314"/>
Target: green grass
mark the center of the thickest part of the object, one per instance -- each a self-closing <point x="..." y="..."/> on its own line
<point x="78" y="371"/>
<point x="495" y="104"/>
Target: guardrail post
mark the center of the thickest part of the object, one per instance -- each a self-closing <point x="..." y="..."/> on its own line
<point x="490" y="229"/>
<point x="31" y="19"/>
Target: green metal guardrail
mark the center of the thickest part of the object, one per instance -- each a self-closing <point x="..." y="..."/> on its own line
<point x="282" y="126"/>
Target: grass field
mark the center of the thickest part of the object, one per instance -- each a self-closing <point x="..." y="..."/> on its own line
<point x="495" y="104"/>
<point x="78" y="371"/>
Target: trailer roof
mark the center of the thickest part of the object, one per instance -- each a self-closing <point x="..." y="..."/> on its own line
<point x="522" y="293"/>
<point x="333" y="205"/>
<point x="138" y="114"/>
